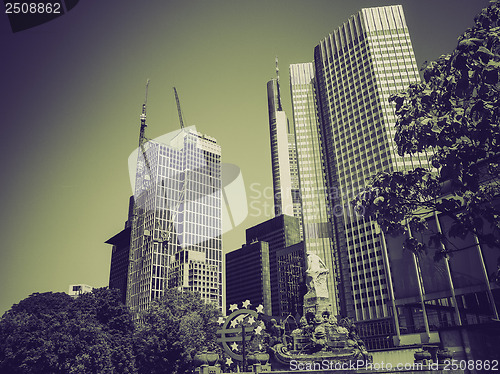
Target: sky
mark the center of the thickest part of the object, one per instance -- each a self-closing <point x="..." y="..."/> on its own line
<point x="72" y="91"/>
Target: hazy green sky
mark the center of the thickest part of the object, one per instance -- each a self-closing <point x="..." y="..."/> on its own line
<point x="72" y="91"/>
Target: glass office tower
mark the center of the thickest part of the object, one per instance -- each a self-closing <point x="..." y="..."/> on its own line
<point x="317" y="226"/>
<point x="176" y="231"/>
<point x="357" y="68"/>
<point x="283" y="154"/>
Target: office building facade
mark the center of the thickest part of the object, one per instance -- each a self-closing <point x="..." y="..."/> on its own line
<point x="283" y="154"/>
<point x="176" y="232"/>
<point x="318" y="231"/>
<point x="290" y="265"/>
<point x="357" y="68"/>
<point x="120" y="256"/>
<point x="248" y="276"/>
<point x="280" y="232"/>
<point x="76" y="290"/>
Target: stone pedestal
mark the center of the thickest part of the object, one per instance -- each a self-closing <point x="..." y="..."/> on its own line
<point x="315" y="304"/>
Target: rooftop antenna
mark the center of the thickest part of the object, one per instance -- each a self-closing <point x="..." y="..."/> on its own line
<point x="179" y="108"/>
<point x="277" y="69"/>
<point x="135" y="261"/>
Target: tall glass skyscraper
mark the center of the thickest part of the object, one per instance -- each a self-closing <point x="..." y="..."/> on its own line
<point x="357" y="68"/>
<point x="283" y="154"/>
<point x="318" y="230"/>
<point x="176" y="230"/>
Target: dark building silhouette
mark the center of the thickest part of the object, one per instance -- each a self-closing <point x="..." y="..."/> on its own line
<point x="248" y="276"/>
<point x="290" y="263"/>
<point x="120" y="255"/>
<point x="280" y="232"/>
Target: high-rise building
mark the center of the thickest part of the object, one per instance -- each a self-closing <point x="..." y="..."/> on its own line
<point x="248" y="276"/>
<point x="283" y="154"/>
<point x="120" y="256"/>
<point x="280" y="232"/>
<point x="290" y="264"/>
<point x="357" y="68"/>
<point x="318" y="231"/>
<point x="344" y="127"/>
<point x="176" y="231"/>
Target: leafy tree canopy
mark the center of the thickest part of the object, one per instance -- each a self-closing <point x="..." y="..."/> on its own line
<point x="453" y="115"/>
<point x="95" y="333"/>
<point x="54" y="333"/>
<point x="173" y="330"/>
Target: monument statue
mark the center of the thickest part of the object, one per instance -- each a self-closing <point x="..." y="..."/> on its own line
<point x="317" y="299"/>
<point x="316" y="274"/>
<point x="319" y="336"/>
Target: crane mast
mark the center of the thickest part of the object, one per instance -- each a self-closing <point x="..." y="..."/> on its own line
<point x="179" y="108"/>
<point x="142" y="133"/>
<point x="142" y="136"/>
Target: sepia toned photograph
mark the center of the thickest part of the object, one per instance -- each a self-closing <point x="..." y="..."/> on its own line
<point x="229" y="186"/>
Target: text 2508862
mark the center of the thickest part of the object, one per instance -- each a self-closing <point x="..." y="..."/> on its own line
<point x="32" y="8"/>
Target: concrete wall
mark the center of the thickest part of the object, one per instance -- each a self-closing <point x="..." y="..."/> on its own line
<point x="419" y="338"/>
<point x="395" y="357"/>
<point x="478" y="343"/>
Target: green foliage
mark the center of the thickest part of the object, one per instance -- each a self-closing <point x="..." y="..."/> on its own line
<point x="115" y="320"/>
<point x="54" y="333"/>
<point x="453" y="116"/>
<point x="173" y="330"/>
<point x="95" y="333"/>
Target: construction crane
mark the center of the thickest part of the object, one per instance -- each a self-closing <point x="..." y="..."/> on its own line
<point x="179" y="108"/>
<point x="142" y="137"/>
<point x="166" y="235"/>
<point x="142" y="132"/>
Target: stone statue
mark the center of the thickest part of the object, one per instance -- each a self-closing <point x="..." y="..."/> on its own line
<point x="316" y="274"/>
<point x="275" y="332"/>
<point x="318" y="339"/>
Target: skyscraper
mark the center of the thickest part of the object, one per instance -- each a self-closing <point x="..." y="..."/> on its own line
<point x="357" y="68"/>
<point x="344" y="128"/>
<point x="290" y="263"/>
<point x="318" y="229"/>
<point x="120" y="256"/>
<point x="283" y="154"/>
<point x="176" y="230"/>
<point x="280" y="232"/>
<point x="248" y="275"/>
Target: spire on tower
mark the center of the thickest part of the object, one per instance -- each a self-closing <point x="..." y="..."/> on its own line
<point x="278" y="94"/>
<point x="277" y="69"/>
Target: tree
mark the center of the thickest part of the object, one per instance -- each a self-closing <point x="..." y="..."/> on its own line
<point x="173" y="330"/>
<point x="453" y="116"/>
<point x="115" y="321"/>
<point x="54" y="333"/>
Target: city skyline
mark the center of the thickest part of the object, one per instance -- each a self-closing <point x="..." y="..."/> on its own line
<point x="75" y="109"/>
